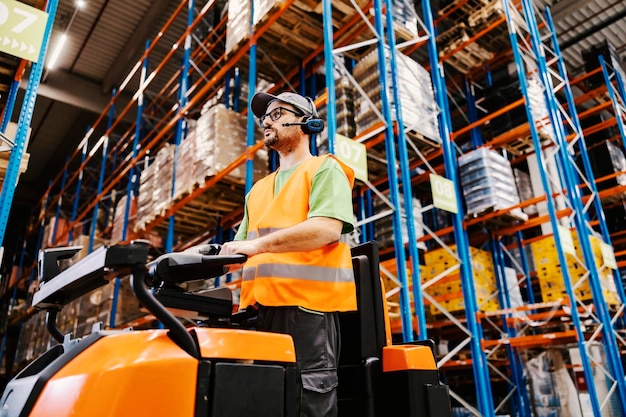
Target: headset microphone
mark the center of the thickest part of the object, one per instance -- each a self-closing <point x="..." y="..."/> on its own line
<point x="310" y="126"/>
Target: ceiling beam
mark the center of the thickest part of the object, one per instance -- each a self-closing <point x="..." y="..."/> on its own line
<point x="125" y="60"/>
<point x="77" y="92"/>
<point x="593" y="29"/>
<point x="563" y="8"/>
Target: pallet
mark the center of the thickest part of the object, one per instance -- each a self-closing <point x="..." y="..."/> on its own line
<point x="613" y="198"/>
<point x="522" y="144"/>
<point x="423" y="143"/>
<point x="460" y="9"/>
<point x="402" y="33"/>
<point x="505" y="219"/>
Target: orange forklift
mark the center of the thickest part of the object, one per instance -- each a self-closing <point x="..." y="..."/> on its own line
<point x="218" y="368"/>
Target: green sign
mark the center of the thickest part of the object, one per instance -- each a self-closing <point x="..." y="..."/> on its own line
<point x="21" y="29"/>
<point x="353" y="154"/>
<point x="567" y="242"/>
<point x="444" y="195"/>
<point x="608" y="256"/>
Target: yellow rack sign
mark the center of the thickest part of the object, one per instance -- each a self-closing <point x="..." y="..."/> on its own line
<point x="21" y="29"/>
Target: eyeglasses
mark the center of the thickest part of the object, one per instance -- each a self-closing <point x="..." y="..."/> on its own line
<point x="276" y="114"/>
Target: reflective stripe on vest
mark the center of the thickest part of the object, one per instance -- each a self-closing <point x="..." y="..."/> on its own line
<point x="305" y="272"/>
<point x="253" y="234"/>
<point x="248" y="273"/>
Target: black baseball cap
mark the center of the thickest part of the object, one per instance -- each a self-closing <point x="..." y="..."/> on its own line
<point x="261" y="101"/>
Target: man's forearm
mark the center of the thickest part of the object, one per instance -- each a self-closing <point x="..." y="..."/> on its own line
<point x="311" y="234"/>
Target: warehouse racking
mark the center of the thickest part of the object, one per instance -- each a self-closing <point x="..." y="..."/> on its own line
<point x="459" y="247"/>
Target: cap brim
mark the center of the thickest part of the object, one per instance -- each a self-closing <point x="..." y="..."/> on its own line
<point x="260" y="101"/>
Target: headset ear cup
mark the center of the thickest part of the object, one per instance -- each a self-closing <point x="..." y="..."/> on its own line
<point x="314" y="124"/>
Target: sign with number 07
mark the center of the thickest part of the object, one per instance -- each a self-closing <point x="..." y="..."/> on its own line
<point x="444" y="194"/>
<point x="353" y="154"/>
<point x="21" y="29"/>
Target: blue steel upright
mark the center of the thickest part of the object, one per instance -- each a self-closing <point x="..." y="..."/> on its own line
<point x="521" y="399"/>
<point x="479" y="361"/>
<point x="9" y="105"/>
<point x="59" y="203"/>
<point x="573" y="190"/>
<point x="329" y="63"/>
<point x="180" y="124"/>
<point x="94" y="218"/>
<point x="475" y="136"/>
<point x="618" y="101"/>
<point x="23" y="123"/>
<point x="582" y="146"/>
<point x="138" y="124"/>
<point x="79" y="183"/>
<point x="251" y="126"/>
<point x="405" y="172"/>
<point x="521" y="70"/>
<point x="394" y="196"/>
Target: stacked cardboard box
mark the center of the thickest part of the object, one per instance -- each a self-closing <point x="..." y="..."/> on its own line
<point x="155" y="187"/>
<point x="220" y="137"/>
<point x="419" y="109"/>
<point x="448" y="291"/>
<point x="238" y="25"/>
<point x="119" y="216"/>
<point x="163" y="167"/>
<point x="58" y="237"/>
<point x="213" y="142"/>
<point x="345" y="94"/>
<point x="185" y="159"/>
<point x="550" y="274"/>
<point x="34" y="339"/>
<point x="83" y="240"/>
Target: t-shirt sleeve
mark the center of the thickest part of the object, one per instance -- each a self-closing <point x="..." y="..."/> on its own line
<point x="242" y="231"/>
<point x="331" y="195"/>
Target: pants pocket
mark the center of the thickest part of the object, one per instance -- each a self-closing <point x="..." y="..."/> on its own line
<point x="319" y="380"/>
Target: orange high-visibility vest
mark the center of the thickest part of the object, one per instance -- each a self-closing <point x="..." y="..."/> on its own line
<point x="320" y="279"/>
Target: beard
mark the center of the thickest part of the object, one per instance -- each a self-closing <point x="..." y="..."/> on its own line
<point x="284" y="142"/>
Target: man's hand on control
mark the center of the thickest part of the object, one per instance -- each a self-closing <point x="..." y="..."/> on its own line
<point x="243" y="247"/>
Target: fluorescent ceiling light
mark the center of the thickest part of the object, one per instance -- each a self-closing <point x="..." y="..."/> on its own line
<point x="57" y="51"/>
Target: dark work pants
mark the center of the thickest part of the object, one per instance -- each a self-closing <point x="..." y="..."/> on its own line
<point x="316" y="339"/>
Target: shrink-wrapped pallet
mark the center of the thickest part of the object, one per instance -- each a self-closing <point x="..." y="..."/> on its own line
<point x="384" y="226"/>
<point x="419" y="109"/>
<point x="488" y="183"/>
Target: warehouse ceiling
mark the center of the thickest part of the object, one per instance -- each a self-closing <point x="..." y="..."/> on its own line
<point x="107" y="37"/>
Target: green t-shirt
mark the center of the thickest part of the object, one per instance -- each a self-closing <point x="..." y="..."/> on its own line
<point x="331" y="196"/>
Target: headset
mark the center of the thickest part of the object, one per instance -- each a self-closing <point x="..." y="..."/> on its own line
<point x="311" y="124"/>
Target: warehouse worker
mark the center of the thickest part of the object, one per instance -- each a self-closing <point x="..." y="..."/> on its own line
<point x="299" y="273"/>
